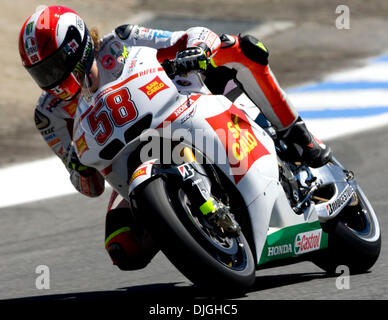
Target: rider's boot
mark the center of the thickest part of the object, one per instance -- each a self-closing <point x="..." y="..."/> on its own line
<point x="311" y="151"/>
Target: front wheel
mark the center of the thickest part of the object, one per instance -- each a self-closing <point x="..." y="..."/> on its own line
<point x="209" y="260"/>
<point x="354" y="239"/>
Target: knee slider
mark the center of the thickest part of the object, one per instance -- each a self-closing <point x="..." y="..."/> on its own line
<point x="254" y="49"/>
<point x="116" y="219"/>
<point x="124" y="262"/>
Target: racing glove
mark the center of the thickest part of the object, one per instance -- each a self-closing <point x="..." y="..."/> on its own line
<point x="73" y="163"/>
<point x="86" y="180"/>
<point x="191" y="59"/>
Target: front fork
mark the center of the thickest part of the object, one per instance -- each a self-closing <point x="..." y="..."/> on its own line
<point x="196" y="183"/>
<point x="193" y="179"/>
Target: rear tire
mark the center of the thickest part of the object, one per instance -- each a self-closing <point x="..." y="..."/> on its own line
<point x="213" y="263"/>
<point x="354" y="239"/>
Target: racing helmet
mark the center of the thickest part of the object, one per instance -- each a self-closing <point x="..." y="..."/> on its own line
<point x="56" y="50"/>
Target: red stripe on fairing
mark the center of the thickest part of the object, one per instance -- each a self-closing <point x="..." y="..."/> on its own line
<point x="173" y="116"/>
<point x="107" y="170"/>
<point x="113" y="197"/>
<point x="110" y="89"/>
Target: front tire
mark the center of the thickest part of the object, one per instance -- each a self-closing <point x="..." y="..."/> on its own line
<point x="213" y="263"/>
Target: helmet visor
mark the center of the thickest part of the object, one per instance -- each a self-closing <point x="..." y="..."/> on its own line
<point x="53" y="70"/>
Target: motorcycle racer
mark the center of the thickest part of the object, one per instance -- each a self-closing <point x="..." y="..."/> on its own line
<point x="68" y="61"/>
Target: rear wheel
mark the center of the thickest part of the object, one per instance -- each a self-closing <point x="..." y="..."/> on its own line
<point x="354" y="239"/>
<point x="205" y="256"/>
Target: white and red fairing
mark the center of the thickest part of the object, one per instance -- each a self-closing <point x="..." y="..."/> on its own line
<point x="227" y="136"/>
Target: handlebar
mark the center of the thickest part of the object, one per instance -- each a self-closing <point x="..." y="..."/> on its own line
<point x="172" y="68"/>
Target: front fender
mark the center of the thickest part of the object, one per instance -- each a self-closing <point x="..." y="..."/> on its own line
<point x="187" y="172"/>
<point x="142" y="173"/>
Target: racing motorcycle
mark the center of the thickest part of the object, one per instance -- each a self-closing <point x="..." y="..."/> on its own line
<point x="211" y="182"/>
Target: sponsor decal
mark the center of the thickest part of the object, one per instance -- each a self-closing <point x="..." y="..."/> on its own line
<point x="48" y="131"/>
<point x="71" y="108"/>
<point x="143" y="33"/>
<point x="60" y="92"/>
<point x="81" y="145"/>
<point x="188" y="116"/>
<point x="125" y="53"/>
<point x="116" y="48"/>
<point x="162" y="34"/>
<point x="308" y="241"/>
<point x="136" y="33"/>
<point x="140" y="172"/>
<point x="53" y="142"/>
<point x="79" y="24"/>
<point x="108" y="62"/>
<point x="179" y="111"/>
<point x="279" y="250"/>
<point x="71" y="46"/>
<point x="240" y="143"/>
<point x="121" y="60"/>
<point x="133" y="64"/>
<point x="50" y="135"/>
<point x="211" y="38"/>
<point x="35" y="58"/>
<point x="186" y="171"/>
<point x="31" y="47"/>
<point x="61" y="152"/>
<point x="29" y="27"/>
<point x="152" y="88"/>
<point x="148" y="71"/>
<point x="291" y="241"/>
<point x="53" y="103"/>
<point x="340" y="202"/>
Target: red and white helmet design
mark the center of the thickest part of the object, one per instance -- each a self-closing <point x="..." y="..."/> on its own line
<point x="54" y="44"/>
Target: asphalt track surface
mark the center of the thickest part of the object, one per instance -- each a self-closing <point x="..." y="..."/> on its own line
<point x="67" y="235"/>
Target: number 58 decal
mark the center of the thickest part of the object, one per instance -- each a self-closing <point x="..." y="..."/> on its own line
<point x="120" y="111"/>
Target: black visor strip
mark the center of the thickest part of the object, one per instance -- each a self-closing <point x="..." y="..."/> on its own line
<point x="53" y="70"/>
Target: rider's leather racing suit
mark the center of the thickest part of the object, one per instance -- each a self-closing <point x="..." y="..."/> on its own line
<point x="129" y="247"/>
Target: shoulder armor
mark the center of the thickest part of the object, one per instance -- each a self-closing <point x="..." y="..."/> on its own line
<point x="124" y="31"/>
